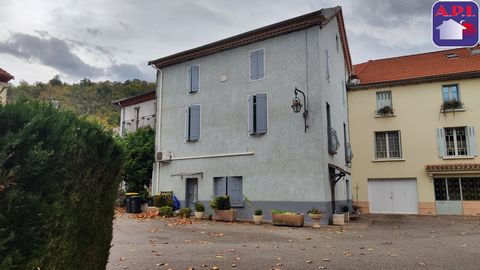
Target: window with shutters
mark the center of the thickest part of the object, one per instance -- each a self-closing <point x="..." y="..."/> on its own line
<point x="384" y="103"/>
<point x="192" y="123"/>
<point x="257" y="65"/>
<point x="193" y="79"/>
<point x="257" y="114"/>
<point x="229" y="186"/>
<point x="456" y="141"/>
<point x="387" y="145"/>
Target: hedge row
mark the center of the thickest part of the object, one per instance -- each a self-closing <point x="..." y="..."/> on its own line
<point x="58" y="181"/>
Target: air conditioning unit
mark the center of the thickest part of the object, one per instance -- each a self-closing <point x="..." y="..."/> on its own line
<point x="163" y="156"/>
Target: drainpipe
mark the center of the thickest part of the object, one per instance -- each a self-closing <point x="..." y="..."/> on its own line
<point x="158" y="128"/>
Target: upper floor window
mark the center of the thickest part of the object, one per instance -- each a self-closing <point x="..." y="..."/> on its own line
<point x="257" y="65"/>
<point x="193" y="79"/>
<point x="450" y="92"/>
<point x="456" y="141"/>
<point x="257" y="114"/>
<point x="384" y="103"/>
<point x="192" y="123"/>
<point x="387" y="144"/>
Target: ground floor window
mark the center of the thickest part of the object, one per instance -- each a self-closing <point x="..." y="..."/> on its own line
<point x="229" y="186"/>
<point x="457" y="189"/>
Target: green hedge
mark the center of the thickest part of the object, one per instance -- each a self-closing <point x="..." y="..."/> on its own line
<point x="58" y="181"/>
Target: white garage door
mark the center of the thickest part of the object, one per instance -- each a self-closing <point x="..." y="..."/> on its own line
<point x="393" y="196"/>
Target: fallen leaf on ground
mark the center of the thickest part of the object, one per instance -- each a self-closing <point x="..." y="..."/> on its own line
<point x="422" y="264"/>
<point x="219" y="256"/>
<point x="123" y="259"/>
<point x="326" y="259"/>
<point x="308" y="261"/>
<point x="392" y="254"/>
<point x="215" y="268"/>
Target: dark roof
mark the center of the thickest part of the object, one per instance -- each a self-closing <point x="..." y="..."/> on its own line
<point x="135" y="99"/>
<point x="418" y="68"/>
<point x="5" y="76"/>
<point x="321" y="17"/>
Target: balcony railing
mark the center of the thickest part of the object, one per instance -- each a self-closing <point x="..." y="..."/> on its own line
<point x="131" y="125"/>
<point x="333" y="142"/>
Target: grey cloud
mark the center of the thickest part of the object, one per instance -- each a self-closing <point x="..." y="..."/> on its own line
<point x="128" y="71"/>
<point x="94" y="31"/>
<point x="51" y="51"/>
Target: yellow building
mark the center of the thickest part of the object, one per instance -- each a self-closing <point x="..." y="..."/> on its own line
<point x="412" y="128"/>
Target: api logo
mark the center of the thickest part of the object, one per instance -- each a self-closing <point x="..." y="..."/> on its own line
<point x="455" y="23"/>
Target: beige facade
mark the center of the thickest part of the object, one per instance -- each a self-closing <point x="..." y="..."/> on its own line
<point x="417" y="116"/>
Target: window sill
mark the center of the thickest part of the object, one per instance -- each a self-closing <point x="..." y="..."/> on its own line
<point x="457" y="157"/>
<point x="453" y="110"/>
<point x="388" y="160"/>
<point x="385" y="115"/>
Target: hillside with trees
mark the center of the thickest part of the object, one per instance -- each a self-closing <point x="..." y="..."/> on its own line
<point x="92" y="99"/>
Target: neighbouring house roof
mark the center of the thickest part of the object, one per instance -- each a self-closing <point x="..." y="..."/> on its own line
<point x="5" y="76"/>
<point x="321" y="18"/>
<point x="452" y="168"/>
<point x="135" y="99"/>
<point x="418" y="68"/>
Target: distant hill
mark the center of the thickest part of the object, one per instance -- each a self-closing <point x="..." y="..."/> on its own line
<point x="85" y="98"/>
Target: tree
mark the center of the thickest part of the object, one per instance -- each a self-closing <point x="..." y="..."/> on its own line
<point x="56" y="81"/>
<point x="140" y="150"/>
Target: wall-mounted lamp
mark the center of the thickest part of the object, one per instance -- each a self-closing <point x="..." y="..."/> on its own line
<point x="297" y="106"/>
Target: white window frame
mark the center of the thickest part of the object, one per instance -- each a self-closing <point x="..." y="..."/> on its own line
<point x="383" y="92"/>
<point x="455" y="142"/>
<point x="250" y="65"/>
<point x="449" y="91"/>
<point x="387" y="145"/>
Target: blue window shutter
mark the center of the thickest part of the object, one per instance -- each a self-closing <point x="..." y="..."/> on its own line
<point x="251" y="119"/>
<point x="441" y="142"/>
<point x="254" y="65"/>
<point x="220" y="186"/>
<point x="187" y="123"/>
<point x="260" y="64"/>
<point x="194" y="122"/>
<point x="234" y="186"/>
<point x="472" y="141"/>
<point x="195" y="78"/>
<point x="261" y="113"/>
<point x="189" y="79"/>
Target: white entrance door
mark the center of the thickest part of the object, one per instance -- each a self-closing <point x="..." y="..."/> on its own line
<point x="393" y="196"/>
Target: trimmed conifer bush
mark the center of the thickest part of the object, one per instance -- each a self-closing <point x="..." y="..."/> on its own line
<point x="58" y="182"/>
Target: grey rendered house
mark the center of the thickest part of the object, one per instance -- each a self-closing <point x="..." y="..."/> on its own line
<point x="225" y="124"/>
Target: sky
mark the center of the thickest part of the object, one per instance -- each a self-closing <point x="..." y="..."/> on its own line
<point x="114" y="39"/>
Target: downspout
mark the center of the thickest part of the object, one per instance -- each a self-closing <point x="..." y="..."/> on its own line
<point x="158" y="128"/>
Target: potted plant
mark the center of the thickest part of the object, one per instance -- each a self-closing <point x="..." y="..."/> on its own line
<point x="287" y="218"/>
<point x="338" y="219"/>
<point x="386" y="110"/>
<point x="316" y="215"/>
<point x="258" y="216"/>
<point x="184" y="212"/>
<point x="221" y="205"/>
<point x="452" y="104"/>
<point x="199" y="210"/>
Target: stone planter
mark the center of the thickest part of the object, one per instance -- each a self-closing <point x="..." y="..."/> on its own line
<point x="295" y="220"/>
<point x="199" y="215"/>
<point x="258" y="219"/>
<point x="347" y="216"/>
<point x="316" y="219"/>
<point x="338" y="219"/>
<point x="225" y="215"/>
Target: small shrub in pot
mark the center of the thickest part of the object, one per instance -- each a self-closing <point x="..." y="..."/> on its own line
<point x="199" y="210"/>
<point x="165" y="211"/>
<point x="184" y="212"/>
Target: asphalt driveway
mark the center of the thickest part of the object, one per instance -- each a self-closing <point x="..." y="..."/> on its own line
<point x="373" y="242"/>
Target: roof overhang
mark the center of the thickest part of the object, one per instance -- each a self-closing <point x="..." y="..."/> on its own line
<point x="317" y="18"/>
<point x="452" y="169"/>
<point x="129" y="101"/>
<point x="429" y="79"/>
<point x="5" y="76"/>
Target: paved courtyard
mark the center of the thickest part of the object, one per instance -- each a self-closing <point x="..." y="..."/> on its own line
<point x="374" y="242"/>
